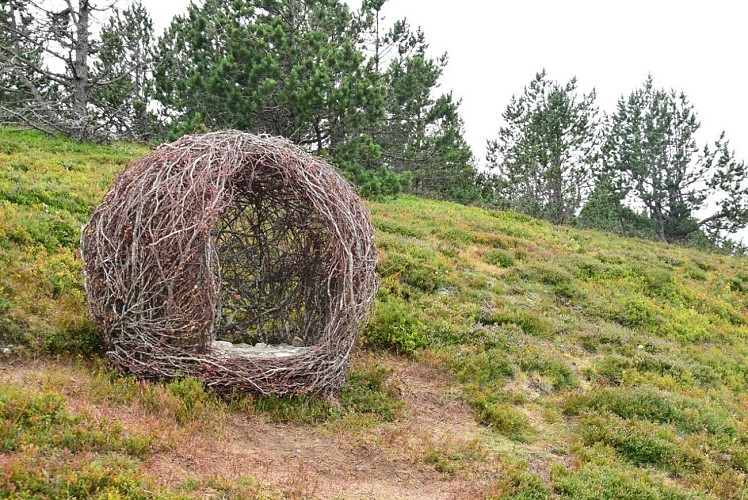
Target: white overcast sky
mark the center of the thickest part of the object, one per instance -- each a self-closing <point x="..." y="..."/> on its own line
<point x="496" y="47"/>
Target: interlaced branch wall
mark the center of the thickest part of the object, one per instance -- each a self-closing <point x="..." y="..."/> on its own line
<point x="232" y="237"/>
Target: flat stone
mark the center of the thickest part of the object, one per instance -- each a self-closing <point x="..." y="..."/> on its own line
<point x="227" y="349"/>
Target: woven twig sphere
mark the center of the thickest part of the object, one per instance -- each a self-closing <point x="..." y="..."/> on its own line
<point x="230" y="236"/>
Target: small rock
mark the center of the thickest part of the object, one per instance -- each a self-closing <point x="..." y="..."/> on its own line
<point x="541" y="386"/>
<point x="260" y="344"/>
<point x="222" y="344"/>
<point x="6" y="351"/>
<point x="297" y="342"/>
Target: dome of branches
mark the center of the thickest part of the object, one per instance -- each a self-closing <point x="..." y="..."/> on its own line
<point x="230" y="239"/>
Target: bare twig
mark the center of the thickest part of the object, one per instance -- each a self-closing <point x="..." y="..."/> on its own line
<point x="236" y="236"/>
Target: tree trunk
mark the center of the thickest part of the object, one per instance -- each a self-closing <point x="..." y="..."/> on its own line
<point x="80" y="71"/>
<point x="660" y="226"/>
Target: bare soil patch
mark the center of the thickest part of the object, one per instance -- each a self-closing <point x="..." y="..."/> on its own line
<point x="388" y="460"/>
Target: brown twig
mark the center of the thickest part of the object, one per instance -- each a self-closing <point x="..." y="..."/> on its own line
<point x="233" y="236"/>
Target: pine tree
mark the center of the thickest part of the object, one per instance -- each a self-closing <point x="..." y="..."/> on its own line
<point x="327" y="79"/>
<point x="651" y="154"/>
<point x="545" y="152"/>
<point x="127" y="56"/>
<point x="52" y="76"/>
<point x="422" y="132"/>
<point x="285" y="67"/>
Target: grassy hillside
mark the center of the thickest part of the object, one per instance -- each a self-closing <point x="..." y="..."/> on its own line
<point x="507" y="358"/>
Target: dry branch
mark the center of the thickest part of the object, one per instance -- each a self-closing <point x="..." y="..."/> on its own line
<point x="233" y="236"/>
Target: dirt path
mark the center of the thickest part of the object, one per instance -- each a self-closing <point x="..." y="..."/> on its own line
<point x="386" y="461"/>
<point x="304" y="461"/>
<point x="300" y="463"/>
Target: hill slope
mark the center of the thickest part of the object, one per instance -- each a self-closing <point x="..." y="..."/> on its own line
<point x="507" y="357"/>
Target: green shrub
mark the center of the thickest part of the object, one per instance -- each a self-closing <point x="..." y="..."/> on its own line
<point x="686" y="414"/>
<point x="450" y="459"/>
<point x="396" y="327"/>
<point x="613" y="368"/>
<point x="595" y="481"/>
<point x="50" y="453"/>
<point x="420" y="275"/>
<point x="695" y="273"/>
<point x="502" y="417"/>
<point x="561" y="376"/>
<point x="34" y="475"/>
<point x="637" y="312"/>
<point x="514" y="482"/>
<point x="549" y="275"/>
<point x="301" y="409"/>
<point x="703" y="264"/>
<point x="30" y="418"/>
<point x="194" y="402"/>
<point x="367" y="392"/>
<point x="8" y="147"/>
<point x="78" y="336"/>
<point x="530" y="322"/>
<point x="658" y="282"/>
<point x="448" y="250"/>
<point x="638" y="445"/>
<point x="399" y="228"/>
<point x="641" y="443"/>
<point x="498" y="257"/>
<point x="587" y="268"/>
<point x="483" y="337"/>
<point x="456" y="235"/>
<point x="485" y="367"/>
